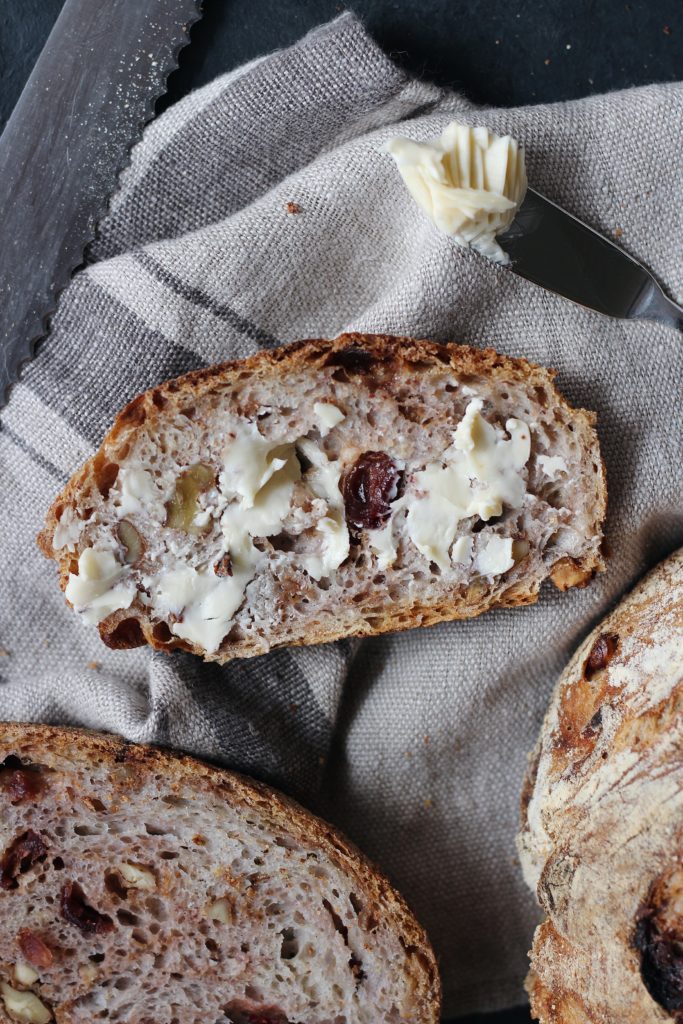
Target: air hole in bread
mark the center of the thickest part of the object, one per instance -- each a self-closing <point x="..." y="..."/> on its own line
<point x="162" y="633"/>
<point x="157" y="830"/>
<point x="89" y="830"/>
<point x="127" y="918"/>
<point x="290" y="944"/>
<point x="114" y="884"/>
<point x="105" y="476"/>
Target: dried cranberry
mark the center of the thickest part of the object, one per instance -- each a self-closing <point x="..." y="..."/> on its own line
<point x="77" y="911"/>
<point x="21" y="781"/>
<point x="37" y="952"/>
<point x="661" y="963"/>
<point x="601" y="653"/>
<point x="20" y="856"/>
<point x="370" y="486"/>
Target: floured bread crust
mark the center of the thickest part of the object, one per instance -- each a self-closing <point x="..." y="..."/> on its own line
<point x="142" y="887"/>
<point x="311" y="475"/>
<point x="602" y="809"/>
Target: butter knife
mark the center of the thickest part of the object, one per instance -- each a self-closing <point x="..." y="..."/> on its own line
<point x="556" y="250"/>
<point x="93" y="88"/>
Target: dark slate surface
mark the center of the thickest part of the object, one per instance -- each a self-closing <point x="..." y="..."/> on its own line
<point x="496" y="51"/>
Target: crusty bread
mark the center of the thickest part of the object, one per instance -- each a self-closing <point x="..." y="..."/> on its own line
<point x="348" y="431"/>
<point x="602" y="817"/>
<point x="141" y="887"/>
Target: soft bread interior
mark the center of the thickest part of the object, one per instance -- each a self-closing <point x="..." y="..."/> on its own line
<point x="345" y="487"/>
<point x="138" y="887"/>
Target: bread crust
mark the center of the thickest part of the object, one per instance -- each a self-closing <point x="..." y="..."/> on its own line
<point x="383" y="349"/>
<point x="602" y="819"/>
<point x="57" y="747"/>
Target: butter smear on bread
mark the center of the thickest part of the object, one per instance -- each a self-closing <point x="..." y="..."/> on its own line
<point x="252" y="495"/>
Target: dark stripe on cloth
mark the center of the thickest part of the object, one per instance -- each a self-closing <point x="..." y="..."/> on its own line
<point x="263" y="716"/>
<point x="199" y="298"/>
<point x="35" y="456"/>
<point x="86" y="373"/>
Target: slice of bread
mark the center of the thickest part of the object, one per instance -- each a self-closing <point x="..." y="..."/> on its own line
<point x="602" y="820"/>
<point x="329" y="489"/>
<point x="141" y="887"/>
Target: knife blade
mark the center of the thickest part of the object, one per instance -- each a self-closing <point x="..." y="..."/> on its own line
<point x="90" y="94"/>
<point x="556" y="250"/>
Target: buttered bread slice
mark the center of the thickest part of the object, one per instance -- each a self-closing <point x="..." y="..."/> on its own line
<point x="329" y="489"/>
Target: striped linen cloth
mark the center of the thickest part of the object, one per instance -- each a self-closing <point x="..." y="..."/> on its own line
<point x="415" y="744"/>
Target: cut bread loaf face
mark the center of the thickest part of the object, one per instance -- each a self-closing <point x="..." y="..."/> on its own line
<point x="329" y="489"/>
<point x="140" y="887"/>
<point x="602" y="820"/>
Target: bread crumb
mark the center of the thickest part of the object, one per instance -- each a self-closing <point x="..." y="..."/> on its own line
<point x="428" y="802"/>
<point x="618" y="232"/>
<point x="4" y="653"/>
<point x="321" y="760"/>
<point x="666" y="30"/>
<point x="426" y="739"/>
<point x="293" y="207"/>
<point x="94" y="665"/>
<point x="547" y="61"/>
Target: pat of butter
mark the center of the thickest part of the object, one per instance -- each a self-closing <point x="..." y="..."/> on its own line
<point x="480" y="472"/>
<point x="24" y="1006"/>
<point x="323" y="481"/>
<point x="552" y="465"/>
<point x="495" y="557"/>
<point x="67" y="530"/>
<point x="100" y="587"/>
<point x="462" y="550"/>
<point x="469" y="181"/>
<point x="135" y="492"/>
<point x="383" y="544"/>
<point x="250" y="460"/>
<point x="206" y="602"/>
<point x="328" y="416"/>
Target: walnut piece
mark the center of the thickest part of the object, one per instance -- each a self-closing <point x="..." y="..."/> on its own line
<point x="24" y="1006"/>
<point x="183" y="506"/>
<point x="137" y="876"/>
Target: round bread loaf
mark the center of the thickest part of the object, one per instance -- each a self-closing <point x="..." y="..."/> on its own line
<point x="602" y="836"/>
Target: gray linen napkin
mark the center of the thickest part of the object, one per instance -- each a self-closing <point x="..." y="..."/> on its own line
<point x="415" y="744"/>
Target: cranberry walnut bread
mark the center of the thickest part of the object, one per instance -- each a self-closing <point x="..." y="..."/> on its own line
<point x="329" y="489"/>
<point x="602" y="838"/>
<point x="144" y="887"/>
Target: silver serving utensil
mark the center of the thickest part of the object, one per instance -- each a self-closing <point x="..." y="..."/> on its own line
<point x="554" y="249"/>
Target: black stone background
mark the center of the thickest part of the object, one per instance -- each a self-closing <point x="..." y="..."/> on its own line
<point x="499" y="52"/>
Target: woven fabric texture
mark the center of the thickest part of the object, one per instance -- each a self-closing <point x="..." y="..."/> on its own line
<point x="415" y="744"/>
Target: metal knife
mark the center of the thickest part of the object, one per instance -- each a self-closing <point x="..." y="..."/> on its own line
<point x="552" y="248"/>
<point x="89" y="96"/>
